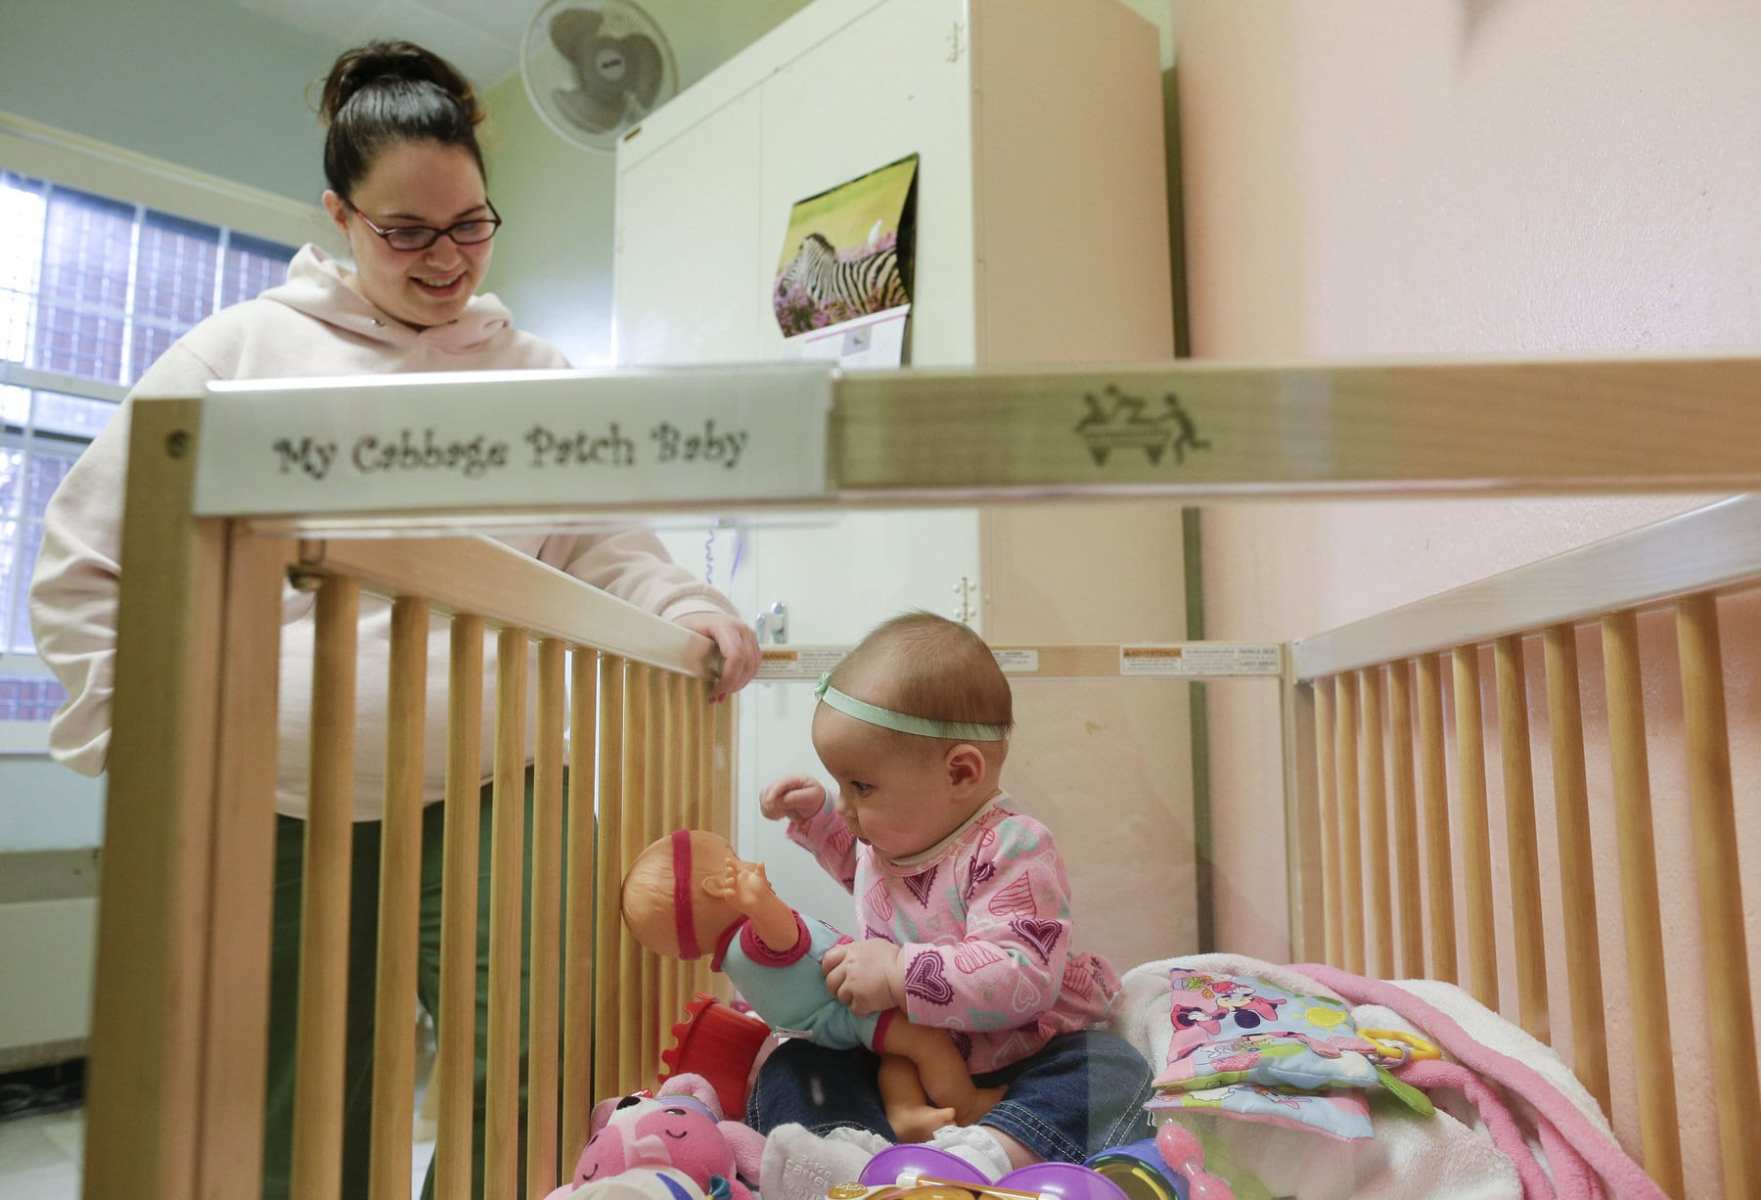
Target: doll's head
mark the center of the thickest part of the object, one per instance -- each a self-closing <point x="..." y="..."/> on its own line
<point x="914" y="726"/>
<point x="665" y="903"/>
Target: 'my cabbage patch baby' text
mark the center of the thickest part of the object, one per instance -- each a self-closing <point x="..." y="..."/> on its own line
<point x="429" y="453"/>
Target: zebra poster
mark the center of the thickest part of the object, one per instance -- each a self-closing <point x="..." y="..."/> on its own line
<point x="845" y="267"/>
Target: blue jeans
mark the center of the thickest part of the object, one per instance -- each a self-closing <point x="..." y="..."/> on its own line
<point x="1081" y="1094"/>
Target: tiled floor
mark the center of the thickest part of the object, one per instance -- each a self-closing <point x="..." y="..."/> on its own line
<point x="40" y="1157"/>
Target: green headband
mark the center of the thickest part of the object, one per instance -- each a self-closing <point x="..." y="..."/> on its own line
<point x="886" y="718"/>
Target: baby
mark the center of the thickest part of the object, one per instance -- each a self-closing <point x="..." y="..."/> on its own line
<point x="964" y="905"/>
<point x="687" y="894"/>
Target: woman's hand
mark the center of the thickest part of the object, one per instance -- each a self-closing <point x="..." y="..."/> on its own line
<point x="865" y="976"/>
<point x="737" y="643"/>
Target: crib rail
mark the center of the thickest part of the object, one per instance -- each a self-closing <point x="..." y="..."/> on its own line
<point x="1679" y="566"/>
<point x="1172" y="430"/>
<point x="179" y="1028"/>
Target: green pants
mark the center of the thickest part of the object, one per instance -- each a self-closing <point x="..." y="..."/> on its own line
<point x="284" y="970"/>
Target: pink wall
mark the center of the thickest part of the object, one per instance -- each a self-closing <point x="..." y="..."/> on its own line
<point x="1476" y="177"/>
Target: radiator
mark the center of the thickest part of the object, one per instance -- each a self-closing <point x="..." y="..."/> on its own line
<point x="48" y="938"/>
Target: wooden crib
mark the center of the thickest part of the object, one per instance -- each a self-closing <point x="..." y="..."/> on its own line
<point x="220" y="515"/>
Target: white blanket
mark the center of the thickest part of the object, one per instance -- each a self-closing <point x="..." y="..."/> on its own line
<point x="1449" y="1156"/>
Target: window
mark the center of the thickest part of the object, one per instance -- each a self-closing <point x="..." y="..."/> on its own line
<point x="92" y="291"/>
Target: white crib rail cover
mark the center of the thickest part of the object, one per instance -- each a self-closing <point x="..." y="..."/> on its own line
<point x="483" y="439"/>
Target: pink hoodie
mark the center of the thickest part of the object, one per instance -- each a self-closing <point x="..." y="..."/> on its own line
<point x="314" y="324"/>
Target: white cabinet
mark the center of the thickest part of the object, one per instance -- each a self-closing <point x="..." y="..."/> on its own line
<point x="1041" y="237"/>
<point x="684" y="237"/>
<point x="1041" y="202"/>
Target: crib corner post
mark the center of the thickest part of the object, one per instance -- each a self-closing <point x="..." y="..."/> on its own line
<point x="176" y="799"/>
<point x="1302" y="826"/>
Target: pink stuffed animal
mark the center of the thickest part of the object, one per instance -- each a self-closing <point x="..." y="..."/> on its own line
<point x="638" y="1183"/>
<point x="681" y="1127"/>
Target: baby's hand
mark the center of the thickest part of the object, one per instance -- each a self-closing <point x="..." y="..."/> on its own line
<point x="795" y="798"/>
<point x="865" y="976"/>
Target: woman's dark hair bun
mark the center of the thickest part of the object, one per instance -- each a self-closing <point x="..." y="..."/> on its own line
<point x="392" y="91"/>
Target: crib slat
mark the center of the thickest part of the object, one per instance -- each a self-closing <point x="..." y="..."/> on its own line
<point x="1577" y="872"/>
<point x="1519" y="821"/>
<point x="1351" y="879"/>
<point x="1327" y="785"/>
<point x="543" y="1037"/>
<point x="580" y="941"/>
<point x="324" y="898"/>
<point x="1411" y="933"/>
<point x="631" y="993"/>
<point x="696" y="793"/>
<point x="1653" y="1059"/>
<point x="501" y="1172"/>
<point x="455" y="1067"/>
<point x="1433" y="777"/>
<point x="671" y="765"/>
<point x="654" y="732"/>
<point x="608" y="870"/>
<point x="1476" y="845"/>
<point x="1304" y="847"/>
<point x="400" y="882"/>
<point x="725" y="760"/>
<point x="1375" y="817"/>
<point x="1712" y="805"/>
<point x="705" y="795"/>
<point x="679" y="768"/>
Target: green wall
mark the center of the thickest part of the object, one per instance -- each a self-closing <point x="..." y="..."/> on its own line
<point x="203" y="83"/>
<point x="553" y="258"/>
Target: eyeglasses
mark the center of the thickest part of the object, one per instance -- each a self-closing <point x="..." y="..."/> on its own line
<point x="420" y="237"/>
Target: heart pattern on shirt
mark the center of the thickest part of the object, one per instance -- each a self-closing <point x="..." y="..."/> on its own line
<point x="1026" y="998"/>
<point x="871" y="932"/>
<point x="1014" y="900"/>
<point x="920" y="885"/>
<point x="925" y="980"/>
<point x="842" y="839"/>
<point x="1016" y="1046"/>
<point x="1078" y="979"/>
<point x="1038" y="932"/>
<point x="879" y="903"/>
<point x="978" y="873"/>
<point x="973" y="957"/>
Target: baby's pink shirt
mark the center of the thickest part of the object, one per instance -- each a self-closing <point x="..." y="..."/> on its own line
<point x="983" y="929"/>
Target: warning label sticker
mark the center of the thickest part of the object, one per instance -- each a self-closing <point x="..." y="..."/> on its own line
<point x="1017" y="662"/>
<point x="797" y="662"/>
<point x="1200" y="659"/>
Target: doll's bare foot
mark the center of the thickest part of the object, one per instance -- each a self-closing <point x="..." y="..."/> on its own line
<point x="918" y="1122"/>
<point x="980" y="1102"/>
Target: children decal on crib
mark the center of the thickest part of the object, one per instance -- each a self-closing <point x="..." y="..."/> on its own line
<point x="687" y="895"/>
<point x="964" y="905"/>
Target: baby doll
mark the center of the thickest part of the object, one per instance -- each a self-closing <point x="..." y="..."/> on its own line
<point x="688" y="893"/>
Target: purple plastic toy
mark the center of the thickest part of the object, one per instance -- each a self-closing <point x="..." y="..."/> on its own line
<point x="904" y="1165"/>
<point x="1062" y="1181"/>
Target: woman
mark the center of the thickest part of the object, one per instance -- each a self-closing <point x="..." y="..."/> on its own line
<point x="408" y="193"/>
